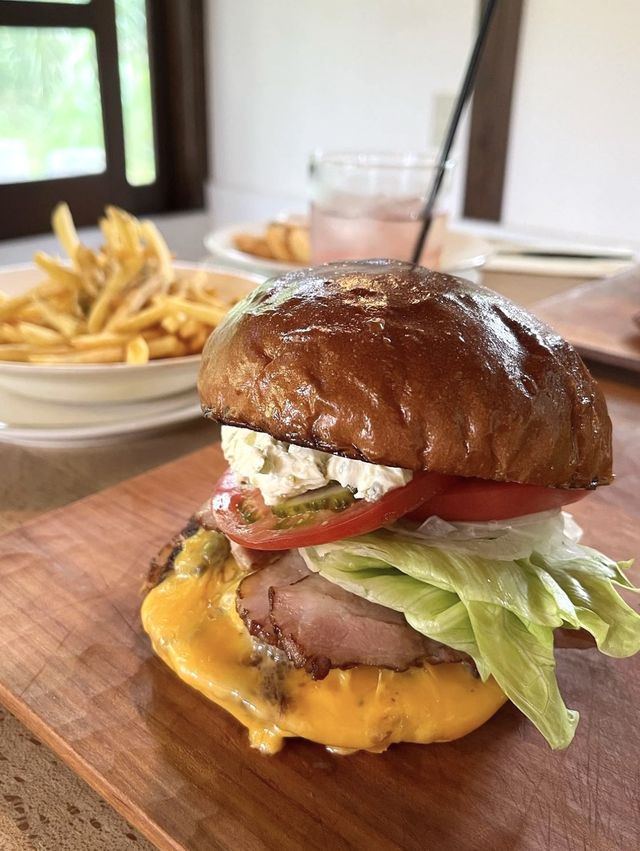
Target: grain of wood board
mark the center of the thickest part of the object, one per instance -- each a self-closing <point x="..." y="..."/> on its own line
<point x="76" y="668"/>
<point x="600" y="319"/>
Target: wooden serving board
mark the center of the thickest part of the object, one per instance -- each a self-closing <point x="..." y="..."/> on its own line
<point x="76" y="668"/>
<point x="598" y="319"/>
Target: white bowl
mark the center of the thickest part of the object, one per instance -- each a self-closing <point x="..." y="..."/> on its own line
<point x="80" y="384"/>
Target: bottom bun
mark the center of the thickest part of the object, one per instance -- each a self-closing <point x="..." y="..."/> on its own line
<point x="194" y="628"/>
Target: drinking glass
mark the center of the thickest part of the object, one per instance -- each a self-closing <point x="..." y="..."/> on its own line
<point x="367" y="205"/>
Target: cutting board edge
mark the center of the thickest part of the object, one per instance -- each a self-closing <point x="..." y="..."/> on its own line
<point x="82" y="769"/>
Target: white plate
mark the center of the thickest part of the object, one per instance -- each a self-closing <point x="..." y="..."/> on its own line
<point x="109" y="383"/>
<point x="462" y="252"/>
<point x="219" y="243"/>
<point x="41" y="423"/>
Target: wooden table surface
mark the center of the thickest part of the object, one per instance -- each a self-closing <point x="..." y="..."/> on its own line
<point x="53" y="807"/>
<point x="43" y="804"/>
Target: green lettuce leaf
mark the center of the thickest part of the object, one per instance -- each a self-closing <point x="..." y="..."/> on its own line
<point x="502" y="612"/>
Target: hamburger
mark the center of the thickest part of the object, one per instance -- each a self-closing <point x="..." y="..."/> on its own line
<point x="387" y="557"/>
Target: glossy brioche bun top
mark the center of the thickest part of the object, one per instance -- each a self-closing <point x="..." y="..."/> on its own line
<point x="391" y="363"/>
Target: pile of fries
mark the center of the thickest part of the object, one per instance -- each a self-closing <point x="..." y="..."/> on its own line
<point x="123" y="302"/>
<point x="288" y="241"/>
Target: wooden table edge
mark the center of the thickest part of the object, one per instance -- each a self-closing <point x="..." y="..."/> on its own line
<point x="81" y="768"/>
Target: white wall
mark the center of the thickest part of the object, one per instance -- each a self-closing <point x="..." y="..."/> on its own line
<point x="289" y="76"/>
<point x="574" y="155"/>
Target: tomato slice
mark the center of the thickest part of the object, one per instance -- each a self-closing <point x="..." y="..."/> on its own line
<point x="480" y="500"/>
<point x="242" y="515"/>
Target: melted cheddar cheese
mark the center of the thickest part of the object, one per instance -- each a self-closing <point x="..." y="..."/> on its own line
<point x="193" y="625"/>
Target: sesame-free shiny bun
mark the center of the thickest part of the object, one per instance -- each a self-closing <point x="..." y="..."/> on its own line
<point x="391" y="363"/>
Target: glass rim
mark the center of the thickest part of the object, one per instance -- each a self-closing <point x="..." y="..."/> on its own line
<point x="387" y="160"/>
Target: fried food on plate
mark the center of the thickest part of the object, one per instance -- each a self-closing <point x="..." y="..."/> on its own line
<point x="287" y="241"/>
<point x="123" y="302"/>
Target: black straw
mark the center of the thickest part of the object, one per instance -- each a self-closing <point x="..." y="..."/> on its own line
<point x="465" y="93"/>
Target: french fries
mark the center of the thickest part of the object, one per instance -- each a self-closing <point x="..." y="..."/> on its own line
<point x="203" y="312"/>
<point x="65" y="230"/>
<point x="60" y="321"/>
<point x="137" y="350"/>
<point x="145" y="319"/>
<point x="114" y="285"/>
<point x="37" y="335"/>
<point x="108" y="354"/>
<point x="167" y="346"/>
<point x="19" y="352"/>
<point x="57" y="271"/>
<point x="97" y="341"/>
<point x="121" y="303"/>
<point x="287" y="241"/>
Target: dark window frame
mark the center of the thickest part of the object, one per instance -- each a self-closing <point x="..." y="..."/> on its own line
<point x="491" y="115"/>
<point x="176" y="54"/>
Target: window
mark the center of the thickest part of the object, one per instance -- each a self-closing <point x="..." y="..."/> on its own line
<point x="50" y="115"/>
<point x="101" y="101"/>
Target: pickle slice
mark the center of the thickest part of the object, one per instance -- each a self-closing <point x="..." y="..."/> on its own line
<point x="332" y="497"/>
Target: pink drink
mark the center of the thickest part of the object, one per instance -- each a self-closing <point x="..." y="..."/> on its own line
<point x="380" y="232"/>
<point x="366" y="205"/>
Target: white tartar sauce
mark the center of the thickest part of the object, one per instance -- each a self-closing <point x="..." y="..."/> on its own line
<point x="281" y="470"/>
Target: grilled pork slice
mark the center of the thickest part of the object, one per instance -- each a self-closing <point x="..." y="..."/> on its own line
<point x="317" y="624"/>
<point x="252" y="598"/>
<point x="321" y="626"/>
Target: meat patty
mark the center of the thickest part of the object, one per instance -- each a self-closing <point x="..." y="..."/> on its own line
<point x="163" y="563"/>
<point x="320" y="626"/>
